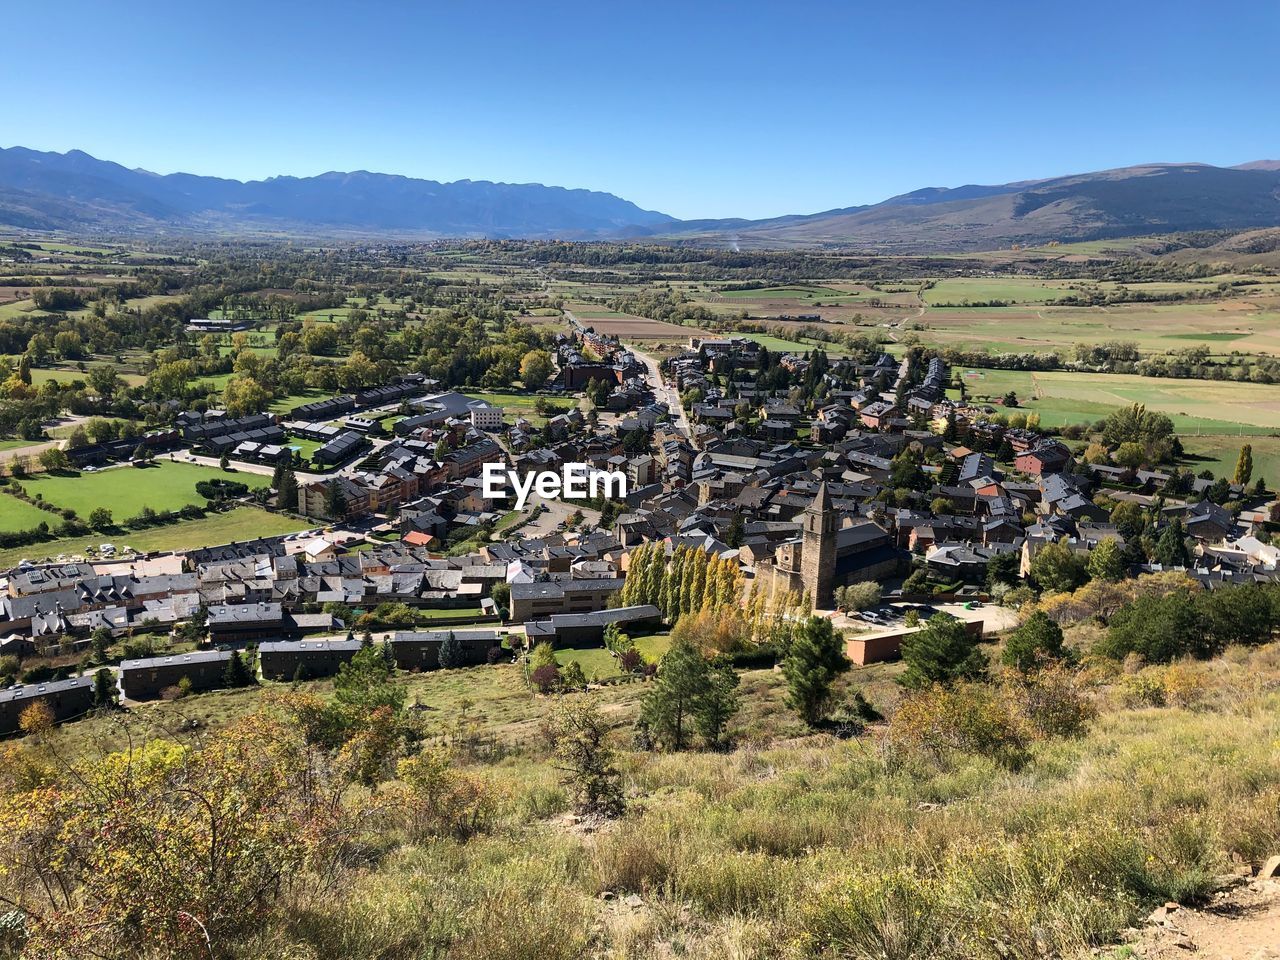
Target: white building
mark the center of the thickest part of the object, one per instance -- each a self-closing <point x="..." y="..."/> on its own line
<point x="486" y="418"/>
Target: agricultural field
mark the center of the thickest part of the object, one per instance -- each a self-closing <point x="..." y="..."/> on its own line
<point x="242" y="523"/>
<point x="961" y="290"/>
<point x="1222" y="326"/>
<point x="622" y="325"/>
<point x="1195" y="406"/>
<point x="126" y="490"/>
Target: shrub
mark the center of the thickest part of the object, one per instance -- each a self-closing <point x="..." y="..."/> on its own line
<point x="967" y="718"/>
<point x="1184" y="685"/>
<point x="1035" y="642"/>
<point x="1053" y="701"/>
<point x="545" y="678"/>
<point x="1141" y="690"/>
<point x="437" y="800"/>
<point x="579" y="739"/>
<point x="893" y="915"/>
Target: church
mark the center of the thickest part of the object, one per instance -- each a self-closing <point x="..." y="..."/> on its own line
<point x="829" y="553"/>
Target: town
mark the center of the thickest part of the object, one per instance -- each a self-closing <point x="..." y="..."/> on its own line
<point x="851" y="470"/>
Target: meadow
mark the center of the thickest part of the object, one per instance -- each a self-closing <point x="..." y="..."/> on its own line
<point x="18" y="515"/>
<point x="239" y="524"/>
<point x="125" y="490"/>
<point x="958" y="290"/>
<point x="1195" y="406"/>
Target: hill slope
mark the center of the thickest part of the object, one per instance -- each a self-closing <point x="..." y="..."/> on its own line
<point x="77" y="192"/>
<point x="1156" y="198"/>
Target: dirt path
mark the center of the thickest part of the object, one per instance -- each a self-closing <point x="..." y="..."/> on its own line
<point x="1242" y="923"/>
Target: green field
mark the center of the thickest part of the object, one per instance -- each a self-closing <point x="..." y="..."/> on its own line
<point x="126" y="490"/>
<point x="1195" y="406"/>
<point x="242" y="523"/>
<point x="288" y="403"/>
<point x="17" y="515"/>
<point x="958" y="290"/>
<point x="596" y="662"/>
<point x="1219" y="453"/>
<point x="776" y="344"/>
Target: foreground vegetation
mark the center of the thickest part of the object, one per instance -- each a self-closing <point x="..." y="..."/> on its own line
<point x="446" y="817"/>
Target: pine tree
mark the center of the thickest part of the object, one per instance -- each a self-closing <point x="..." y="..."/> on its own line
<point x="716" y="705"/>
<point x="1037" y="640"/>
<point x="941" y="652"/>
<point x="815" y="659"/>
<point x="452" y="652"/>
<point x="669" y="705"/>
<point x="239" y="673"/>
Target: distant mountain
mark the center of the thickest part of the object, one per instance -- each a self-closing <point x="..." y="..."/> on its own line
<point x="1155" y="198"/>
<point x="76" y="192"/>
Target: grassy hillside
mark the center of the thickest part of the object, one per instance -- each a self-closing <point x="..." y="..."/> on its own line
<point x="789" y="844"/>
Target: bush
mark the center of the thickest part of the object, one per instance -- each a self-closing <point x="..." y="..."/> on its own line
<point x="894" y="915"/>
<point x="1053" y="701"/>
<point x="1035" y="642"/>
<point x="1157" y="628"/>
<point x="967" y="718"/>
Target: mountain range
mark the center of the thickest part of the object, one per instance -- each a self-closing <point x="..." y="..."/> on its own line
<point x="79" y="194"/>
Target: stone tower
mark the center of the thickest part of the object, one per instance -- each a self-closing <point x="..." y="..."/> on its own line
<point x="818" y="556"/>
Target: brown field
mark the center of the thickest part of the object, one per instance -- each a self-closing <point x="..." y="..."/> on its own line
<point x="635" y="328"/>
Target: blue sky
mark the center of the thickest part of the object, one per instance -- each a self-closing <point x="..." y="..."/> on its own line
<point x="698" y="109"/>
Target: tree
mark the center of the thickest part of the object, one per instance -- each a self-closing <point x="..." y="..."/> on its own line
<point x="861" y="596"/>
<point x="453" y="653"/>
<point x="579" y="738"/>
<point x="668" y="706"/>
<point x="1171" y="547"/>
<point x="501" y="596"/>
<point x="100" y="643"/>
<point x="1157" y="628"/>
<point x="1237" y="615"/>
<point x="1035" y="641"/>
<point x="244" y="395"/>
<point x="535" y="369"/>
<point x="1244" y="465"/>
<point x="238" y="672"/>
<point x="1107" y="561"/>
<point x="717" y="704"/>
<point x="366" y="683"/>
<point x="54" y="458"/>
<point x="815" y="659"/>
<point x="1057" y="567"/>
<point x="105" y="693"/>
<point x="941" y="652"/>
<point x="335" y="501"/>
<point x="100" y="518"/>
<point x="1130" y="454"/>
